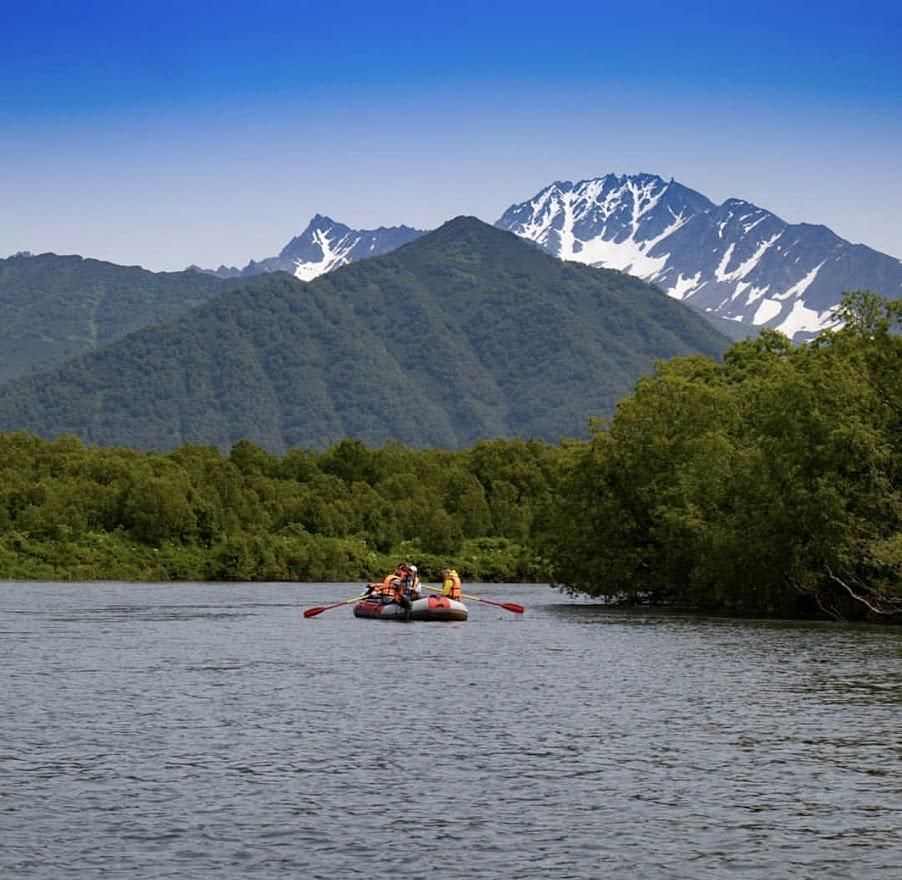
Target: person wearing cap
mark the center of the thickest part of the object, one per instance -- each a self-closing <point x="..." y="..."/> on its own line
<point x="412" y="584"/>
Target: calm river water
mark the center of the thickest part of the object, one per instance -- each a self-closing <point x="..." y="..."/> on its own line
<point x="209" y="731"/>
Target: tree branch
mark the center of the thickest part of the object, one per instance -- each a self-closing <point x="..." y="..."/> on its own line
<point x="830" y="612"/>
<point x="895" y="606"/>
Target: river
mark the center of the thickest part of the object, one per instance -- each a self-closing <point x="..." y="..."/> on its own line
<point x="209" y="731"/>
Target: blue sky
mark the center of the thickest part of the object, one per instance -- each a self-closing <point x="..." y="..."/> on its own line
<point x="167" y="133"/>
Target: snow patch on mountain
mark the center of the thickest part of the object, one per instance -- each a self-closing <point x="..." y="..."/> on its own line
<point x="684" y="285"/>
<point x="801" y="319"/>
<point x="628" y="256"/>
<point x="766" y="311"/>
<point x="801" y="285"/>
<point x="334" y="254"/>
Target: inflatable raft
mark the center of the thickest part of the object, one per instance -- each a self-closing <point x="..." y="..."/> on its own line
<point x="437" y="608"/>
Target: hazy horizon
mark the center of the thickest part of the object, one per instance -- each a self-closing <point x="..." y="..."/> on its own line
<point x="163" y="135"/>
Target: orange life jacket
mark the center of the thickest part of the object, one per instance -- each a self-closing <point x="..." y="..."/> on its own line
<point x="391" y="586"/>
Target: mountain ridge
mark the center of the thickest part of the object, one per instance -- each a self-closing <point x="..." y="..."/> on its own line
<point x="56" y="307"/>
<point x="734" y="260"/>
<point x="324" y="245"/>
<point x="465" y="333"/>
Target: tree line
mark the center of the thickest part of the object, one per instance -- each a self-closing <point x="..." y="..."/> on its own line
<point x="767" y="482"/>
<point x="71" y="511"/>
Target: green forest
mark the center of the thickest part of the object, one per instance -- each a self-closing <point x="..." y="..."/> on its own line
<point x="464" y="334"/>
<point x="57" y="307"/>
<point x="766" y="482"/>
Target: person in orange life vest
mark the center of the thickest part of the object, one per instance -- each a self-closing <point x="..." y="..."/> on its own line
<point x="389" y="588"/>
<point x="451" y="584"/>
<point x="393" y="587"/>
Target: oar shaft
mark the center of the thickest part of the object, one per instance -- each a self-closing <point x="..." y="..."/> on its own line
<point x="312" y="612"/>
<point x="507" y="606"/>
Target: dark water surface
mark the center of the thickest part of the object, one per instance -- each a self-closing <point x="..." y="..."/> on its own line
<point x="201" y="731"/>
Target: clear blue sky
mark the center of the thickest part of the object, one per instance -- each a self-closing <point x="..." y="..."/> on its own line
<point x="167" y="133"/>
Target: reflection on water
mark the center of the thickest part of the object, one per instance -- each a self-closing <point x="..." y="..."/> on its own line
<point x="209" y="731"/>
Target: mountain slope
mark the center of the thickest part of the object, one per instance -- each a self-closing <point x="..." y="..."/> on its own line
<point x="55" y="307"/>
<point x="323" y="246"/>
<point x="465" y="333"/>
<point x="734" y="260"/>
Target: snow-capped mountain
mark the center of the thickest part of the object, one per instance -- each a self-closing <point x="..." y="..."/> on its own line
<point x="325" y="245"/>
<point x="734" y="260"/>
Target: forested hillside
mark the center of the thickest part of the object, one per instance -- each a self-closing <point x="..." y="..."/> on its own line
<point x="54" y="308"/>
<point x="467" y="333"/>
<point x="768" y="483"/>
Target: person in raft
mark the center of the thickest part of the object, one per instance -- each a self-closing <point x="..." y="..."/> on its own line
<point x="396" y="586"/>
<point x="451" y="584"/>
<point x="411" y="584"/>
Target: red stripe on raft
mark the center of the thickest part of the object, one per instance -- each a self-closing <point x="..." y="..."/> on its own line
<point x="369" y="608"/>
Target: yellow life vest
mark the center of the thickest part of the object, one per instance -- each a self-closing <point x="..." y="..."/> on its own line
<point x="451" y="585"/>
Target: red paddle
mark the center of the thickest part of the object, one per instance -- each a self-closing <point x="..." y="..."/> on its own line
<point x="312" y="612"/>
<point x="507" y="606"/>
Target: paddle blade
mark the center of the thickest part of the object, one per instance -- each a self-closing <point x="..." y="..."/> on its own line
<point x="312" y="612"/>
<point x="507" y="606"/>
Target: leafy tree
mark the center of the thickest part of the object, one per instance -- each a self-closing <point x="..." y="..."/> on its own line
<point x="156" y="509"/>
<point x="767" y="483"/>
